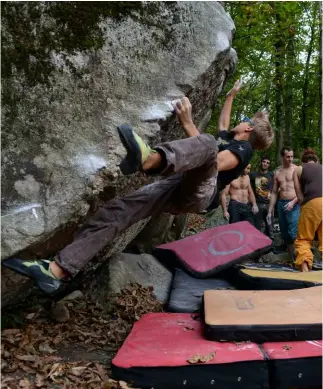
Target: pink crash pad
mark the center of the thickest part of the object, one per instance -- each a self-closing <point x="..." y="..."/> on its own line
<point x="216" y="249"/>
<point x="295" y="364"/>
<point x="157" y="351"/>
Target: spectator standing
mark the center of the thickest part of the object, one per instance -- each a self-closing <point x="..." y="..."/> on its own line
<point x="241" y="195"/>
<point x="262" y="184"/>
<point x="288" y="207"/>
<point x="308" y="187"/>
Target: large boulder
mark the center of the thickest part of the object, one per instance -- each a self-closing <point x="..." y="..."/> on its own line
<point x="72" y="72"/>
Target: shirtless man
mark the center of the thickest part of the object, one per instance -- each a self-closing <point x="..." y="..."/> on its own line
<point x="240" y="192"/>
<point x="288" y="207"/>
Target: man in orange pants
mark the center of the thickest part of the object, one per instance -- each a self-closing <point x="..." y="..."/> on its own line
<point x="308" y="186"/>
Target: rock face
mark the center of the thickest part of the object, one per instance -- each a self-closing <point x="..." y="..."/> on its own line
<point x="124" y="269"/>
<point x="71" y="73"/>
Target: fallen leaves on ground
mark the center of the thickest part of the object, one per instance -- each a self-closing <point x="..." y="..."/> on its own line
<point x="135" y="302"/>
<point x="201" y="358"/>
<point x="30" y="357"/>
<point x="195" y="223"/>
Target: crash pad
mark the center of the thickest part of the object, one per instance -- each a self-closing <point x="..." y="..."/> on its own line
<point x="263" y="279"/>
<point x="274" y="277"/>
<point x="267" y="266"/>
<point x="211" y="251"/>
<point x="265" y="315"/>
<point x="187" y="292"/>
<point x="161" y="352"/>
<point x="294" y="364"/>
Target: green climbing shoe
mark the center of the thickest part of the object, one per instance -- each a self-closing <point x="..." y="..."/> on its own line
<point x="37" y="270"/>
<point x="138" y="151"/>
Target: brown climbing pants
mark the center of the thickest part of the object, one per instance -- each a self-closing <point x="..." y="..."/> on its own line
<point x="190" y="168"/>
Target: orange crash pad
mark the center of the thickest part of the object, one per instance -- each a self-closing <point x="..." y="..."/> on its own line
<point x="263" y="316"/>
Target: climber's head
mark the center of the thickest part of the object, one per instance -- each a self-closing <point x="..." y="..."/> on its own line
<point x="257" y="131"/>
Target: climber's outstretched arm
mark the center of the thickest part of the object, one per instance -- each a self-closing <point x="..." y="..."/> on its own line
<point x="224" y="119"/>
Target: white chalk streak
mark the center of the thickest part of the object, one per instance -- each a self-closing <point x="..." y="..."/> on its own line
<point x="35" y="214"/>
<point x="90" y="163"/>
<point x="158" y="111"/>
<point x="25" y="208"/>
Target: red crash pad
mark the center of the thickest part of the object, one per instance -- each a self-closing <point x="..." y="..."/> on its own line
<point x="157" y="351"/>
<point x="295" y="364"/>
<point x="213" y="250"/>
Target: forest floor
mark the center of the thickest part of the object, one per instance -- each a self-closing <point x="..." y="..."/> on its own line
<point x="39" y="352"/>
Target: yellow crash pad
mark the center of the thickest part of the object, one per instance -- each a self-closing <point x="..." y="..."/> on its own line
<point x="311" y="276"/>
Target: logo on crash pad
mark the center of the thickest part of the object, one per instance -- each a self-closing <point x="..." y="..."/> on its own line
<point x="222" y="247"/>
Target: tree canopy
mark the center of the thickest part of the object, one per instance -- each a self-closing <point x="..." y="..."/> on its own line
<point x="279" y="47"/>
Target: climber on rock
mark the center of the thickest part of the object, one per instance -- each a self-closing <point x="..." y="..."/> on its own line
<point x="196" y="168"/>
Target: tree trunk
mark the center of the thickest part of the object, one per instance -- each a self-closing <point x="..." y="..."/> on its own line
<point x="278" y="82"/>
<point x="279" y="111"/>
<point x="320" y="74"/>
<point x="267" y="97"/>
<point x="290" y="61"/>
<point x="306" y="74"/>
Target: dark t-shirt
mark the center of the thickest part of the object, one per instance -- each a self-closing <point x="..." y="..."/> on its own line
<point x="311" y="181"/>
<point x="241" y="148"/>
<point x="262" y="185"/>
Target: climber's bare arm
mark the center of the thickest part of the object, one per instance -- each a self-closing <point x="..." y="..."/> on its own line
<point x="226" y="160"/>
<point x="274" y="194"/>
<point x="224" y="119"/>
<point x="183" y="109"/>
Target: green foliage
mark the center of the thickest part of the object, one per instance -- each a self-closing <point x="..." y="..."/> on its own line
<point x="273" y="43"/>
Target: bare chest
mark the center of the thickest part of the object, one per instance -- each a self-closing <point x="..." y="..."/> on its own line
<point x="240" y="183"/>
<point x="285" y="178"/>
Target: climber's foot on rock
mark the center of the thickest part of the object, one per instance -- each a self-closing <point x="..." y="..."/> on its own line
<point x="37" y="270"/>
<point x="138" y="151"/>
